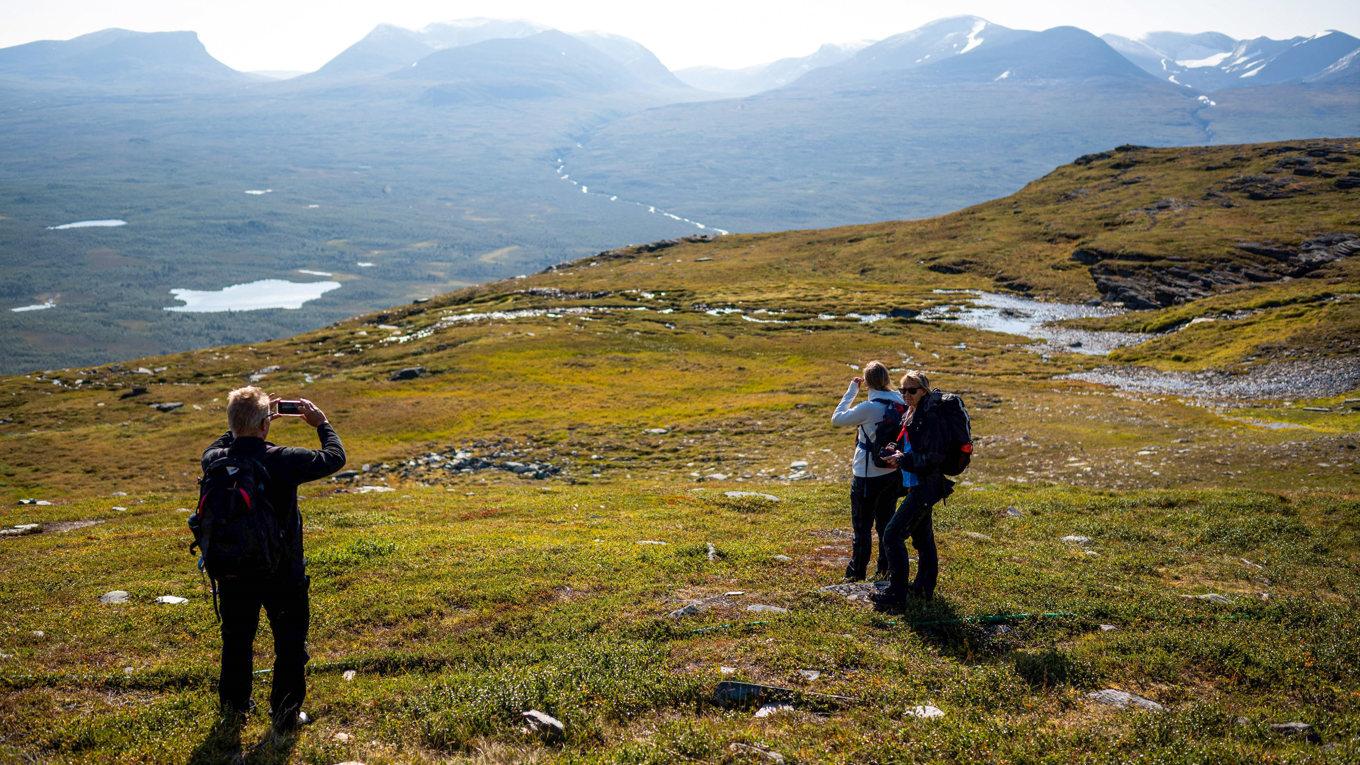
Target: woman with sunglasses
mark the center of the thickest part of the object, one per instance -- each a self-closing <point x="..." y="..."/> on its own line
<point x="913" y="517"/>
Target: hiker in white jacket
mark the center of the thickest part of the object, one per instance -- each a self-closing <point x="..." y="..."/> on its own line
<point x="874" y="489"/>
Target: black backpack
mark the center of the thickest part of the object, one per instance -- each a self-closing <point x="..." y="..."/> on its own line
<point x="958" y="433"/>
<point x="886" y="431"/>
<point x="235" y="527"/>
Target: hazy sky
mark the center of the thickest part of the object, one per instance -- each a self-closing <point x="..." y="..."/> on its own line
<point x="304" y="34"/>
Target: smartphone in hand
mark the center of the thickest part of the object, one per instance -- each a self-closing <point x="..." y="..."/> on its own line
<point x="288" y="408"/>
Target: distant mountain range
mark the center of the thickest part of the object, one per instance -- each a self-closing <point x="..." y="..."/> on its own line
<point x="416" y="160"/>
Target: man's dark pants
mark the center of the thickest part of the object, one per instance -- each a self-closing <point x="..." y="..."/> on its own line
<point x="871" y="505"/>
<point x="286" y="605"/>
<point x="913" y="519"/>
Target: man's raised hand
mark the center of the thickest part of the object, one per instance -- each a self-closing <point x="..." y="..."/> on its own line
<point x="311" y="414"/>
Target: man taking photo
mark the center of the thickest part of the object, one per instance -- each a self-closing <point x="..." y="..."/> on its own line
<point x="250" y="530"/>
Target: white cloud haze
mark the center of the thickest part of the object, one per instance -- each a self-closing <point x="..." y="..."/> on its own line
<point x="303" y="34"/>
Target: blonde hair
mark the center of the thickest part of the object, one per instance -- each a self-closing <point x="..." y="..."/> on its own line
<point x="915" y="379"/>
<point x="247" y="409"/>
<point x="876" y="375"/>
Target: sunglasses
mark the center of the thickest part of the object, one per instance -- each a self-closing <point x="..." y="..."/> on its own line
<point x="911" y="391"/>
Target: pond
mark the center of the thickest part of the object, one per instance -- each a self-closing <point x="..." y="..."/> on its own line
<point x="253" y="296"/>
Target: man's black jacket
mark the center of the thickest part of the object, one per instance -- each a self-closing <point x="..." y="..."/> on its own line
<point x="288" y="467"/>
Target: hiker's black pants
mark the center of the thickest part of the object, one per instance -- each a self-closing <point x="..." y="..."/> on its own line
<point x="286" y="605"/>
<point x="913" y="520"/>
<point x="871" y="505"/>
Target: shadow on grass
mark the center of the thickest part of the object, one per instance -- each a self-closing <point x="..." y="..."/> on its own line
<point x="937" y="622"/>
<point x="222" y="746"/>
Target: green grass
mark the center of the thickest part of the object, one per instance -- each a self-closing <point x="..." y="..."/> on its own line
<point x="459" y="612"/>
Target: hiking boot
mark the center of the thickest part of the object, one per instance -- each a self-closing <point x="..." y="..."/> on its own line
<point x="916" y="593"/>
<point x="852" y="575"/>
<point x="291" y="721"/>
<point x="887" y="600"/>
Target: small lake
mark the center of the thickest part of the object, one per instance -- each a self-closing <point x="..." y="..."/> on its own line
<point x="254" y="296"/>
<point x="110" y="223"/>
<point x="1034" y="319"/>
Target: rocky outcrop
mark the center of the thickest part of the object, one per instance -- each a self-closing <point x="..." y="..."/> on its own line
<point x="1139" y="280"/>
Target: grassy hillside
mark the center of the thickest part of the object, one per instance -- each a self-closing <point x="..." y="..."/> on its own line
<point x="648" y="382"/>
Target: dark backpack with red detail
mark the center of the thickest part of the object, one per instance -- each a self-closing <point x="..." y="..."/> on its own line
<point x="235" y="527"/>
<point x="957" y="428"/>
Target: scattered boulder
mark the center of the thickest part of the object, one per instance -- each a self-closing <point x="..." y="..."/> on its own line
<point x="689" y="609"/>
<point x="134" y="392"/>
<point x="544" y="725"/>
<point x="34" y="502"/>
<point x="1108" y="628"/>
<point x="1013" y="512"/>
<point x="1211" y="597"/>
<point x="762" y="608"/>
<point x="374" y="489"/>
<point x="978" y="536"/>
<point x="114" y="597"/>
<point x="657" y="432"/>
<point x="22" y="529"/>
<point x="1124" y="700"/>
<point x="407" y="373"/>
<point x="1076" y="539"/>
<point x="809" y="674"/>
<point x="751" y="495"/>
<point x="782" y="558"/>
<point x="712" y="552"/>
<point x="171" y="600"/>
<point x="926" y="712"/>
<point x="349" y="675"/>
<point x="345" y="475"/>
<point x="651" y="542"/>
<point x="771" y="709"/>
<point x="1299" y="729"/>
<point x="167" y="406"/>
<point x="856" y="591"/>
<point x="768" y="755"/>
<point x="342" y="737"/>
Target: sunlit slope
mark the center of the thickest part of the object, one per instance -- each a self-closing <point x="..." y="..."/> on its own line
<point x="738" y="347"/>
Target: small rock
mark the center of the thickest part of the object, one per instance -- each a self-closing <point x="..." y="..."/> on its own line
<point x="134" y="392"/>
<point x="22" y="529"/>
<point x="734" y="593"/>
<point x="1076" y="539"/>
<point x="374" y="489"/>
<point x="171" y="600"/>
<point x="544" y="724"/>
<point x="757" y="751"/>
<point x="798" y="464"/>
<point x="651" y="542"/>
<point x="1212" y="597"/>
<point x="345" y="475"/>
<point x="751" y="494"/>
<point x="167" y="406"/>
<point x="1303" y="730"/>
<point x="408" y="373"/>
<point x="769" y="709"/>
<point x="348" y="675"/>
<point x="1013" y="512"/>
<point x="926" y="712"/>
<point x="119" y="509"/>
<point x="728" y="670"/>
<point x="342" y="737"/>
<point x="39" y="634"/>
<point x="978" y="536"/>
<point x="782" y="558"/>
<point x="1124" y="699"/>
<point x="1108" y="628"/>
<point x="113" y="597"/>
<point x="31" y="501"/>
<point x="657" y="432"/>
<point x="809" y="674"/>
<point x="689" y="609"/>
<point x="712" y="551"/>
<point x="765" y="609"/>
